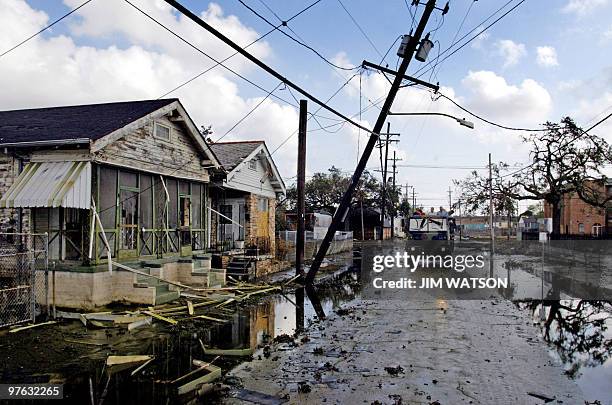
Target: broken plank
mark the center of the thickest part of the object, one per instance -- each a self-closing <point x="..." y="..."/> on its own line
<point x="190" y="307"/>
<point x="214" y="373"/>
<point x="161" y="318"/>
<point x="124" y="360"/>
<point x="210" y="318"/>
<point x="229" y="352"/>
<point x="138" y="324"/>
<point x="20" y="328"/>
<point x="142" y="366"/>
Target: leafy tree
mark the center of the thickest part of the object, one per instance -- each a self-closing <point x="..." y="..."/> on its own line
<point x="324" y="191"/>
<point x="565" y="160"/>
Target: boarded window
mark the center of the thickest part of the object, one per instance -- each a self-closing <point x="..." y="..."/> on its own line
<point x="108" y="196"/>
<point x="162" y="132"/>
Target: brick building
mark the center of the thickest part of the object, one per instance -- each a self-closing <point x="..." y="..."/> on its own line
<point x="583" y="219"/>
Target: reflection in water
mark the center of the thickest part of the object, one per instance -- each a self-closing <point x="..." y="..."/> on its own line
<point x="578" y="330"/>
<point x="175" y="348"/>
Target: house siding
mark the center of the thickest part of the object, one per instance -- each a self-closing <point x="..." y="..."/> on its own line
<point x="252" y="181"/>
<point x="141" y="150"/>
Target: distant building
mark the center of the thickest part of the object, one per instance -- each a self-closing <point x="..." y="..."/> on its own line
<point x="581" y="218"/>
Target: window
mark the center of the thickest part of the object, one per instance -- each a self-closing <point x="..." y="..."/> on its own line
<point x="253" y="164"/>
<point x="162" y="132"/>
<point x="263" y="204"/>
<point x="581" y="228"/>
<point x="185" y="211"/>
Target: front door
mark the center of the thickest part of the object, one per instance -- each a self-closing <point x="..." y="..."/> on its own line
<point x="128" y="225"/>
<point x="232" y="221"/>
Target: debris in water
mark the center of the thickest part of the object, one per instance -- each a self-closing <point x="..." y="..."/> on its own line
<point x="394" y="371"/>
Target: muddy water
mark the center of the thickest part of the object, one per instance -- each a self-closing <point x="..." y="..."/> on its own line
<point x="579" y="334"/>
<point x="70" y="354"/>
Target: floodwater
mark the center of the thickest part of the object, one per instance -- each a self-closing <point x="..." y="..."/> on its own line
<point x="72" y="355"/>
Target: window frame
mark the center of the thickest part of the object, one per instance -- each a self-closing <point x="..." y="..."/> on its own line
<point x="252" y="164"/>
<point x="158" y="124"/>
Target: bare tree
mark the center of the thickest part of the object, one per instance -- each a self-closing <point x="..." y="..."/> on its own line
<point x="565" y="160"/>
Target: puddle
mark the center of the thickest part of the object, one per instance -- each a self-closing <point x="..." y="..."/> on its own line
<point x="51" y="354"/>
<point x="579" y="336"/>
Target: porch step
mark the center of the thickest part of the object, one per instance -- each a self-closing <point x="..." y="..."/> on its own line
<point x="240" y="267"/>
<point x="167" y="296"/>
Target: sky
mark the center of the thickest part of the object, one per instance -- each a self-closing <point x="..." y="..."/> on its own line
<point x="543" y="61"/>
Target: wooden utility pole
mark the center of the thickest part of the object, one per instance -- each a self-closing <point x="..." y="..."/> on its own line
<point x="491" y="218"/>
<point x="450" y="199"/>
<point x="301" y="184"/>
<point x="395" y="159"/>
<point x="384" y="183"/>
<point x="342" y="210"/>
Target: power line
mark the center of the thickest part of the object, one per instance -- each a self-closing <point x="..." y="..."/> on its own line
<point x="489" y="121"/>
<point x="298" y="41"/>
<point x="249" y="113"/>
<point x="468" y="33"/>
<point x="599" y="122"/>
<point x="44" y="29"/>
<point x="359" y="28"/>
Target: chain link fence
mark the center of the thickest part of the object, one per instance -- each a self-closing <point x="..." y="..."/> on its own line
<point x="24" y="278"/>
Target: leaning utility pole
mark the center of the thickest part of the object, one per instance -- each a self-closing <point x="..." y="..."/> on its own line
<point x="342" y="210"/>
<point x="301" y="184"/>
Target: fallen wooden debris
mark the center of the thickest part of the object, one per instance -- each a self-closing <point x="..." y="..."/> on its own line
<point x="190" y="307"/>
<point x="137" y="324"/>
<point x="160" y="317"/>
<point x="229" y="352"/>
<point x="142" y="366"/>
<point x="211" y="373"/>
<point x="82" y="342"/>
<point x="124" y="360"/>
<point x="210" y="318"/>
<point x="36" y="325"/>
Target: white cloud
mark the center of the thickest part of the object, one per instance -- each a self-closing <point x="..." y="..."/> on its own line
<point x="546" y="56"/>
<point x="511" y="51"/>
<point x="56" y="70"/>
<point x="527" y="104"/>
<point x="606" y="36"/>
<point x="478" y="42"/>
<point x="583" y="7"/>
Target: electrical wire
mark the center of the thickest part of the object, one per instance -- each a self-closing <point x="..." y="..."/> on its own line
<point x="250" y="112"/>
<point x="45" y="28"/>
<point x="359" y="28"/>
<point x="421" y="69"/>
<point x="489" y="121"/>
<point x="298" y="41"/>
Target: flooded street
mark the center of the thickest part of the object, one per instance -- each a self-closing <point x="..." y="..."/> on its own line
<point x="70" y="354"/>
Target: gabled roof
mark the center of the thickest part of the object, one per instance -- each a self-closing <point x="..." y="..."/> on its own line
<point x="231" y="154"/>
<point x="95" y="124"/>
<point x="91" y="121"/>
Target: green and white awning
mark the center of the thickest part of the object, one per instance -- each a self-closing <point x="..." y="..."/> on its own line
<point x="51" y="184"/>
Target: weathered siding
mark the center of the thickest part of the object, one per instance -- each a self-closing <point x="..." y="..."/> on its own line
<point x="252" y="181"/>
<point x="141" y="150"/>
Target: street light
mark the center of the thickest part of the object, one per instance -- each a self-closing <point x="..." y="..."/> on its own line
<point x="462" y="121"/>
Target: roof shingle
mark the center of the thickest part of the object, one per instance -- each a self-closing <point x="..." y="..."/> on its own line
<point x="230" y="154"/>
<point x="91" y="121"/>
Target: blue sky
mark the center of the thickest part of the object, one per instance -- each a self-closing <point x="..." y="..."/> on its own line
<point x="542" y="61"/>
